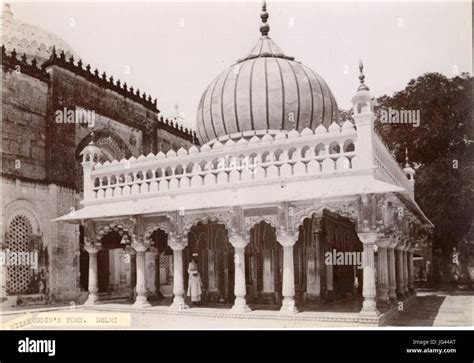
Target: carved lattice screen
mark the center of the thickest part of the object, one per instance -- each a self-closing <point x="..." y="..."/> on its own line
<point x="18" y="240"/>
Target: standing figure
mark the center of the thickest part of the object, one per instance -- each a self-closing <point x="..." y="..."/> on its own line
<point x="195" y="284"/>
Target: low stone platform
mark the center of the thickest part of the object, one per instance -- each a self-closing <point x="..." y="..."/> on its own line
<point x="350" y="317"/>
<point x="343" y="312"/>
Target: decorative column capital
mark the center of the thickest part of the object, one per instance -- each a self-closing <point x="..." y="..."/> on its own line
<point x="237" y="240"/>
<point x="400" y="244"/>
<point x="408" y="243"/>
<point x="91" y="246"/>
<point x="367" y="238"/>
<point x="286" y="239"/>
<point x="176" y="243"/>
<point x="393" y="242"/>
<point x="139" y="243"/>
<point x="317" y="226"/>
<point x="383" y="242"/>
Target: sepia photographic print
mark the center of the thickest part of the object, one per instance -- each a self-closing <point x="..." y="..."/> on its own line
<point x="291" y="166"/>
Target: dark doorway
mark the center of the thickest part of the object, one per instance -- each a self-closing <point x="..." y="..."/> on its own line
<point x="83" y="262"/>
<point x="215" y="259"/>
<point x="163" y="261"/>
<point x="103" y="270"/>
<point x="264" y="263"/>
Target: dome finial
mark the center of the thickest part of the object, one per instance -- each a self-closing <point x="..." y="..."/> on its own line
<point x="362" y="86"/>
<point x="7" y="14"/>
<point x="264" y="28"/>
<point x="408" y="170"/>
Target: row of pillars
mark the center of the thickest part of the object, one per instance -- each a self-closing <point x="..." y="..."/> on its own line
<point x="140" y="248"/>
<point x="240" y="303"/>
<point x="177" y="245"/>
<point x="394" y="280"/>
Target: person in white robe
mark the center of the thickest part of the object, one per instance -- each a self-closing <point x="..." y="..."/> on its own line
<point x="195" y="285"/>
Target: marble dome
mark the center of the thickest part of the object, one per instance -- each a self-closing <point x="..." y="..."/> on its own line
<point x="30" y="39"/>
<point x="266" y="90"/>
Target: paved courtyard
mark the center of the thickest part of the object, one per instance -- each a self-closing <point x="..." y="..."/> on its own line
<point x="440" y="309"/>
<point x="430" y="308"/>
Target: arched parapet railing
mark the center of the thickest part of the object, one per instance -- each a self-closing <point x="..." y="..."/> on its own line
<point x="246" y="161"/>
<point x="387" y="167"/>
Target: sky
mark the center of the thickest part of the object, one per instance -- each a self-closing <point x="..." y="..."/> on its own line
<point x="174" y="50"/>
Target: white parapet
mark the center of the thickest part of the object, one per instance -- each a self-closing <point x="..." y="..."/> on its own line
<point x="247" y="160"/>
<point x="229" y="163"/>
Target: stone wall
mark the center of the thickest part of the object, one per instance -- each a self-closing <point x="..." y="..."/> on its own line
<point x="69" y="91"/>
<point x="41" y="169"/>
<point x="167" y="140"/>
<point x="42" y="203"/>
<point x="24" y="101"/>
<point x="64" y="275"/>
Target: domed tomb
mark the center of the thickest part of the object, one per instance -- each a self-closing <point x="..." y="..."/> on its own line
<point x="266" y="90"/>
<point x="31" y="40"/>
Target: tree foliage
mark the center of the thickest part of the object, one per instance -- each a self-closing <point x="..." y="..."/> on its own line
<point x="440" y="149"/>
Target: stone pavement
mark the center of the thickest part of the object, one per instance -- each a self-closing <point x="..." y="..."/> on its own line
<point x="439" y="308"/>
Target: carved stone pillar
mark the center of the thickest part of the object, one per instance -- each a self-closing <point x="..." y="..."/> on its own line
<point x="369" y="306"/>
<point x="133" y="273"/>
<point x="400" y="285"/>
<point x="411" y="272"/>
<point x="140" y="246"/>
<point x="240" y="289"/>
<point x="178" y="279"/>
<point x="156" y="258"/>
<point x="392" y="276"/>
<point x="329" y="283"/>
<point x="329" y="273"/>
<point x="382" y="270"/>
<point x="92" y="249"/>
<point x="288" y="288"/>
<point x="405" y="270"/>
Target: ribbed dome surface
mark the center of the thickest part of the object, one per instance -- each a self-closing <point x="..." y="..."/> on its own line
<point x="266" y="90"/>
<point x="29" y="39"/>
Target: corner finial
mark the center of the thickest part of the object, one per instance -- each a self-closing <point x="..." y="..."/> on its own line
<point x="408" y="170"/>
<point x="264" y="28"/>
<point x="362" y="86"/>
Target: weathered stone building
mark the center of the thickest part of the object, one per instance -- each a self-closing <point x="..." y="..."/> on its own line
<point x="52" y="107"/>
